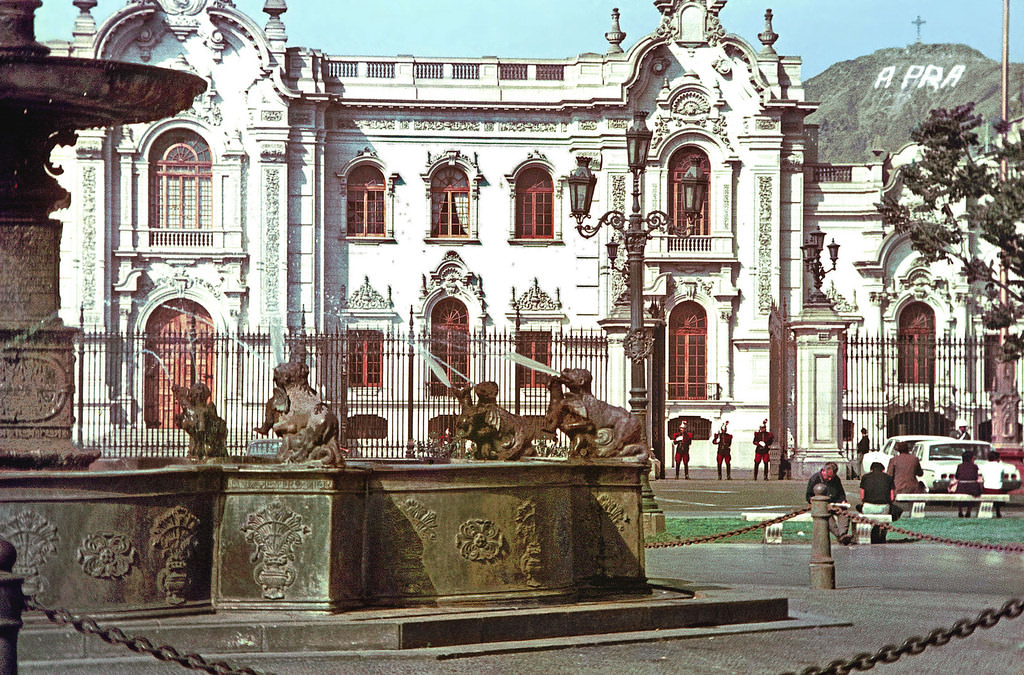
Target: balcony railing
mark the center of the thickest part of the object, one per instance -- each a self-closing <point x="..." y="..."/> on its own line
<point x="429" y="71"/>
<point x="689" y="244"/>
<point x="694" y="391"/>
<point x="827" y="173"/>
<point x="465" y="71"/>
<point x="380" y="70"/>
<point x="181" y="238"/>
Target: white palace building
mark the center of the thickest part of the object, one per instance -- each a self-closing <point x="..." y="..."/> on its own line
<point x="325" y="192"/>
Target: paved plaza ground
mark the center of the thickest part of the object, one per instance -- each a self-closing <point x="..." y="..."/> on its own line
<point x="885" y="593"/>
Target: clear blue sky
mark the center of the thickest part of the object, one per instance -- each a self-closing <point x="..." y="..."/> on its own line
<point x="821" y="31"/>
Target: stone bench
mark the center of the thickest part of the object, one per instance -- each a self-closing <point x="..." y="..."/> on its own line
<point x="773" y="533"/>
<point x="984" y="502"/>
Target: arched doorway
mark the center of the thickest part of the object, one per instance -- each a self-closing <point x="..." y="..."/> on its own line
<point x="179" y="350"/>
<point x="449" y="343"/>
<point x="687" y="353"/>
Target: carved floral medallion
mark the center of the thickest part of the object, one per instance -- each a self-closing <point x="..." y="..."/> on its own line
<point x="481" y="541"/>
<point x="106" y="555"/>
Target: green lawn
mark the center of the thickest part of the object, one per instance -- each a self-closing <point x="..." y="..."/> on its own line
<point x="994" y="531"/>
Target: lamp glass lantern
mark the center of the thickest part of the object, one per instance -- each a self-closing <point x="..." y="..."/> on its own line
<point x="833" y="252"/>
<point x="582" y="182"/>
<point x="638" y="142"/>
<point x="694" y="187"/>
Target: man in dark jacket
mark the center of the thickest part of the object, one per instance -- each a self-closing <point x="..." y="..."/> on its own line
<point x="838" y="523"/>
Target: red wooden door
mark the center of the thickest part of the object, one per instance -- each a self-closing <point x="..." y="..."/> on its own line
<point x="179" y="350"/>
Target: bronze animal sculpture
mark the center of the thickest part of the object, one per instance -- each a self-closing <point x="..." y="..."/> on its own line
<point x="495" y="432"/>
<point x="306" y="425"/>
<point x="595" y="429"/>
<point x="207" y="431"/>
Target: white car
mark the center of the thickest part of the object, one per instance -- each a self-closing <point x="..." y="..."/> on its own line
<point x="940" y="457"/>
<point x="889" y="449"/>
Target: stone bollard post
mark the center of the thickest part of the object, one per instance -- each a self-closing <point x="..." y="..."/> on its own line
<point x="11" y="604"/>
<point x="823" y="567"/>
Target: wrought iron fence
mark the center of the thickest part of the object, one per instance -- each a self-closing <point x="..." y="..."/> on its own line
<point x="381" y="384"/>
<point x="917" y="386"/>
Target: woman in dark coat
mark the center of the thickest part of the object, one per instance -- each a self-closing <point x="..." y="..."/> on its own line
<point x="967" y="482"/>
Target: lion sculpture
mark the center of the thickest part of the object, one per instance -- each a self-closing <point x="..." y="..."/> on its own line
<point x="595" y="429"/>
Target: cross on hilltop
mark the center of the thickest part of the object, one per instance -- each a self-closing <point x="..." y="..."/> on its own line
<point x="918" y="22"/>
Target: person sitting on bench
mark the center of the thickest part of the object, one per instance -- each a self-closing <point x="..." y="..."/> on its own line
<point x="966" y="482"/>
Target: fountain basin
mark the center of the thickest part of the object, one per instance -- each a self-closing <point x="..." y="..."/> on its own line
<point x="69" y="93"/>
<point x="222" y="537"/>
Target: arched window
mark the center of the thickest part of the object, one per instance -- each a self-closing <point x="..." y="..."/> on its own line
<point x="916" y="344"/>
<point x="449" y="203"/>
<point x="182" y="176"/>
<point x="179" y="351"/>
<point x="688" y="353"/>
<point x="685" y="162"/>
<point x="366" y="202"/>
<point x="534" y="205"/>
<point x="449" y="343"/>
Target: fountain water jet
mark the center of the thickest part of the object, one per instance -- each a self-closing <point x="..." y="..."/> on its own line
<point x="38" y="111"/>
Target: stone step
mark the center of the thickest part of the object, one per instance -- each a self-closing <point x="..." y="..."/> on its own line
<point x="239" y="633"/>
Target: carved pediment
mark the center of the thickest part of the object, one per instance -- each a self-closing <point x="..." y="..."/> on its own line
<point x="453" y="277"/>
<point x="366" y="297"/>
<point x="536" y="300"/>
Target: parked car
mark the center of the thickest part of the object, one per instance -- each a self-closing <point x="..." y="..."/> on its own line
<point x="940" y="456"/>
<point x="889" y="449"/>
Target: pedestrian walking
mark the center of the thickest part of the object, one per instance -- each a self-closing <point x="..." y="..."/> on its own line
<point x="904" y="469"/>
<point x="723" y="439"/>
<point x="681" y="441"/>
<point x="838" y="521"/>
<point x="763" y="440"/>
<point x="863" y="448"/>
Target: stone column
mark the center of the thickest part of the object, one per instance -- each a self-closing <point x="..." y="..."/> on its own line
<point x="819" y="402"/>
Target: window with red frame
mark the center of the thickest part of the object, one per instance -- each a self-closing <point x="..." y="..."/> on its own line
<point x="684" y="162"/>
<point x="365" y="358"/>
<point x="537" y="346"/>
<point x="534" y="205"/>
<point x="182" y="182"/>
<point x="688" y="350"/>
<point x="449" y="203"/>
<point x="449" y="343"/>
<point x="366" y="202"/>
<point x="916" y="344"/>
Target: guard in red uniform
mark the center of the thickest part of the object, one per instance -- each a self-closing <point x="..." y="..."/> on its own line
<point x="723" y="439"/>
<point x="763" y="440"/>
<point x="681" y="441"/>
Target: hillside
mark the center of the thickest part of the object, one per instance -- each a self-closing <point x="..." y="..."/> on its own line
<point x="874" y="101"/>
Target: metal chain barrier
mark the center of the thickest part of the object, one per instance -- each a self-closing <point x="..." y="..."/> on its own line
<point x="915" y="645"/>
<point x="1005" y="548"/>
<point x="141" y="645"/>
<point x="724" y="535"/>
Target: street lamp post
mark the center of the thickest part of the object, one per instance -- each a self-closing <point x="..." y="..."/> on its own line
<point x="635" y="230"/>
<point x="812" y="262"/>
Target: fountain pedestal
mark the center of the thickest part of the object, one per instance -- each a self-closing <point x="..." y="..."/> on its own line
<point x="43" y="99"/>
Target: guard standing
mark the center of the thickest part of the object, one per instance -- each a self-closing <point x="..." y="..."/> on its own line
<point x="723" y="439"/>
<point x="763" y="440"/>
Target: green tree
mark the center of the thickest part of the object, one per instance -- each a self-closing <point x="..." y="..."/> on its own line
<point x="957" y="189"/>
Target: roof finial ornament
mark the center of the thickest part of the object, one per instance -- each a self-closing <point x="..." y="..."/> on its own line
<point x="768" y="36"/>
<point x="615" y="36"/>
<point x="275" y="27"/>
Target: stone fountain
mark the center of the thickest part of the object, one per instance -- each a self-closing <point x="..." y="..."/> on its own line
<point x="306" y="531"/>
<point x="43" y="100"/>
